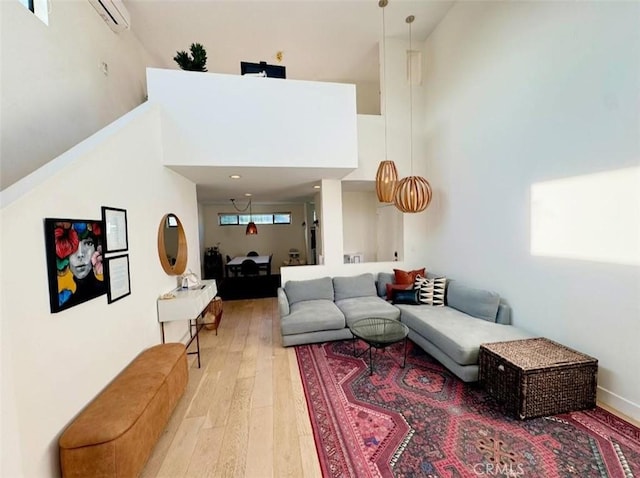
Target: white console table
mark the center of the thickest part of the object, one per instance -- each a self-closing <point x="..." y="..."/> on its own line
<point x="187" y="304"/>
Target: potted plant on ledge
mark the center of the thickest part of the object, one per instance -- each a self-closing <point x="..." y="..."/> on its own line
<point x="197" y="61"/>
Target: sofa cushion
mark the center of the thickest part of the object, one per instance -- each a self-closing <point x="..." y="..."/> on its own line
<point x="313" y="289"/>
<point x="384" y="278"/>
<point x="362" y="285"/>
<point x="356" y="308"/>
<point x="456" y="334"/>
<point x="479" y="303"/>
<point x="312" y="316"/>
<point x="283" y="302"/>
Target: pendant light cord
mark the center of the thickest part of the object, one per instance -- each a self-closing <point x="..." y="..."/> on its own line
<point x="233" y="201"/>
<point x="410" y="21"/>
<point x="382" y="4"/>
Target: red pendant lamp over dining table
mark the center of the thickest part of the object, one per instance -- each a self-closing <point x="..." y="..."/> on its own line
<point x="252" y="229"/>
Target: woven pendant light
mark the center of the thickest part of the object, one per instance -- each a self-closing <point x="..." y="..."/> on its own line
<point x="387" y="174"/>
<point x="413" y="193"/>
<point x="386" y="180"/>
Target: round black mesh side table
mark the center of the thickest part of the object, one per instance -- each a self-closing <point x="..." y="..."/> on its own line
<point x="379" y="333"/>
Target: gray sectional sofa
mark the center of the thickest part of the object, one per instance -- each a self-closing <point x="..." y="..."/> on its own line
<point x="321" y="310"/>
<point x="452" y="334"/>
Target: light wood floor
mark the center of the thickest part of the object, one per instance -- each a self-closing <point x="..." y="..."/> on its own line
<point x="244" y="411"/>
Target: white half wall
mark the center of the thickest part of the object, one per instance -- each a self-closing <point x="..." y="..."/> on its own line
<point x="54" y="93"/>
<point x="54" y="364"/>
<point x="339" y="270"/>
<point x="330" y="217"/>
<point x="233" y="120"/>
<point x="519" y="93"/>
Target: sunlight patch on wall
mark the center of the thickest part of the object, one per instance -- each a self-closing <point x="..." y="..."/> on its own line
<point x="595" y="217"/>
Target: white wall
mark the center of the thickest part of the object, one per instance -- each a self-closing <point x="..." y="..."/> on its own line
<point x="54" y="364"/>
<point x="277" y="121"/>
<point x="519" y="93"/>
<point x="274" y="239"/>
<point x="368" y="97"/>
<point x="54" y="93"/>
<point x="371" y="128"/>
<point x="330" y="217"/>
<point x="359" y="221"/>
<point x="399" y="232"/>
<point x="389" y="233"/>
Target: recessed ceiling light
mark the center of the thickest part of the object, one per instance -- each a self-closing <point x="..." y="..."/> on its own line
<point x="235" y="176"/>
<point x="247" y="194"/>
<point x="316" y="186"/>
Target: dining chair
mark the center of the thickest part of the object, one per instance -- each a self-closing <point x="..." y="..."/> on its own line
<point x="229" y="268"/>
<point x="249" y="267"/>
<point x="252" y="254"/>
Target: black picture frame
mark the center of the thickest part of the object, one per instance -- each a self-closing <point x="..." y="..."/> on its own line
<point x="74" y="261"/>
<point x="117" y="273"/>
<point x="116" y="235"/>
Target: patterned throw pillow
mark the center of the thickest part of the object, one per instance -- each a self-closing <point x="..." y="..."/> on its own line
<point x="431" y="291"/>
<point x="407" y="277"/>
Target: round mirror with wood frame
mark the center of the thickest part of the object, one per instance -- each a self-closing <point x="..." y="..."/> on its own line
<point x="172" y="245"/>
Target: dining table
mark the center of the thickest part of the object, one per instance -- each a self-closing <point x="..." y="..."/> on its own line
<point x="235" y="265"/>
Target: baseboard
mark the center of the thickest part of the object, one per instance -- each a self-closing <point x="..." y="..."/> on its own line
<point x="620" y="404"/>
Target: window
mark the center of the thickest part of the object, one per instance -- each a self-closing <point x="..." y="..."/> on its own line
<point x="39" y="7"/>
<point x="28" y="4"/>
<point x="225" y="219"/>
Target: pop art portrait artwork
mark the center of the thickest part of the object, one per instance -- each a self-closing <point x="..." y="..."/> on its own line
<point x="74" y="261"/>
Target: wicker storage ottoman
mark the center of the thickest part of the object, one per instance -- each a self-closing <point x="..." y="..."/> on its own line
<point x="538" y="377"/>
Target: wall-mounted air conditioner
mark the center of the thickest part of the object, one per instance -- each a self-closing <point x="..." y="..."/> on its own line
<point x="114" y="13"/>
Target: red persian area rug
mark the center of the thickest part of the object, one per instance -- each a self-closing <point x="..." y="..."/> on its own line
<point x="423" y="421"/>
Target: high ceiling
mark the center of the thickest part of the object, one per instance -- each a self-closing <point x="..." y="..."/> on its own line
<point x="320" y="40"/>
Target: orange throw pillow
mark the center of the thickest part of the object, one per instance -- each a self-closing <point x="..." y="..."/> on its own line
<point x="407" y="277"/>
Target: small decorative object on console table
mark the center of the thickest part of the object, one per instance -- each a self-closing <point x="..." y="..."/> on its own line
<point x="538" y="377"/>
<point x="187" y="304"/>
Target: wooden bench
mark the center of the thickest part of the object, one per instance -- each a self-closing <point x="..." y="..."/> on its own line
<point x="115" y="434"/>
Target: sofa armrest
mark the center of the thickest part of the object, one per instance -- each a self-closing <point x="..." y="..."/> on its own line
<point x="283" y="302"/>
<point x="504" y="314"/>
